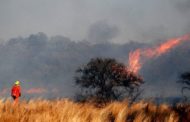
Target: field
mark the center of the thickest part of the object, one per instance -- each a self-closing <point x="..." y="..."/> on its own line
<point x="64" y="110"/>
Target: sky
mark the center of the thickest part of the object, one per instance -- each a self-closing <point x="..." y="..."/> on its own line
<point x="147" y="20"/>
<point x="43" y="42"/>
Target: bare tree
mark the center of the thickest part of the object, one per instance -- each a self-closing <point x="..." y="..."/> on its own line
<point x="185" y="81"/>
<point x="105" y="80"/>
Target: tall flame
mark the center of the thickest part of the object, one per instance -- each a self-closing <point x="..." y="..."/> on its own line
<point x="135" y="62"/>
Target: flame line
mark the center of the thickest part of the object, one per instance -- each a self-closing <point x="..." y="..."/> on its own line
<point x="135" y="63"/>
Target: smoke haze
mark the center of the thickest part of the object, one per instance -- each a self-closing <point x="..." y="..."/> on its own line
<point x="46" y="63"/>
<point x="147" y="21"/>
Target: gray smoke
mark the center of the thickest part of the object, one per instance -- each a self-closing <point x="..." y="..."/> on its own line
<point x="50" y="63"/>
<point x="101" y="32"/>
<point x="146" y="21"/>
<point x="183" y="6"/>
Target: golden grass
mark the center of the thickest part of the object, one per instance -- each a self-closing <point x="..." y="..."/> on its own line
<point x="64" y="110"/>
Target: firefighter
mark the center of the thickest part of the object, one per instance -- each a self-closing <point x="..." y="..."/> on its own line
<point x="16" y="92"/>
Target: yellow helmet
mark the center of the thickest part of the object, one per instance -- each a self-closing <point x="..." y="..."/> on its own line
<point x="17" y="82"/>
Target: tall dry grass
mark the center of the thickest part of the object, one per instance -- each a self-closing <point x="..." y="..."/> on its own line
<point x="64" y="110"/>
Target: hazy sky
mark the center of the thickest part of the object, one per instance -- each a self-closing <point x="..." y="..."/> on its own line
<point x="45" y="57"/>
<point x="140" y="20"/>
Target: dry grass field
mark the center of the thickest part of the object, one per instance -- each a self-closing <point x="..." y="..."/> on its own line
<point x="64" y="110"/>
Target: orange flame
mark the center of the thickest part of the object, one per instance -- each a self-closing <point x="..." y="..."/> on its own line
<point x="134" y="61"/>
<point x="36" y="91"/>
<point x="134" y="57"/>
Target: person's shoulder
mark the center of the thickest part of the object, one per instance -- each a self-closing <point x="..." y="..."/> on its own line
<point x="16" y="86"/>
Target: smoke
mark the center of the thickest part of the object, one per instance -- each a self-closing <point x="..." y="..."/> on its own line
<point x="46" y="65"/>
<point x="183" y="6"/>
<point x="152" y="20"/>
<point x="101" y="32"/>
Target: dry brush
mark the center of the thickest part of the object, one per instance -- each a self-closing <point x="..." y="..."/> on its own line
<point x="64" y="110"/>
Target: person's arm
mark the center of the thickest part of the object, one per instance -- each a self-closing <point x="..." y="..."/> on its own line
<point x="19" y="91"/>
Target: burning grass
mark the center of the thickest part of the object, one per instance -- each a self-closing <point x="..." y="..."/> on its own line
<point x="64" y="110"/>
